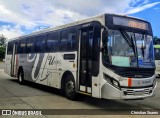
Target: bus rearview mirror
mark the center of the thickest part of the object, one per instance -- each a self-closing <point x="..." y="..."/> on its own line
<point x="104" y="35"/>
<point x="143" y="44"/>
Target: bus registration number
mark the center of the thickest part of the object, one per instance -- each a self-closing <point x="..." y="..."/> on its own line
<point x="139" y="92"/>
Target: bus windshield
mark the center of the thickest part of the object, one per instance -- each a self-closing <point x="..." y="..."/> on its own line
<point x="128" y="49"/>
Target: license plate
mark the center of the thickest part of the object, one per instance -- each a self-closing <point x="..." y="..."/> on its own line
<point x="139" y="92"/>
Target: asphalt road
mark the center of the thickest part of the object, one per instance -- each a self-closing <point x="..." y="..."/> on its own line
<point x="33" y="96"/>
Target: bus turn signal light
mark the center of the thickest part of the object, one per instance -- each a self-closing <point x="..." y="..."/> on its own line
<point x="129" y="82"/>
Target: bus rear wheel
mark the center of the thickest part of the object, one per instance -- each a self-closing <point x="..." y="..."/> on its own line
<point x="70" y="88"/>
<point x="21" y="77"/>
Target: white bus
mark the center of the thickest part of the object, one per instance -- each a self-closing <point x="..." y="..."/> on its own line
<point x="157" y="59"/>
<point x="107" y="56"/>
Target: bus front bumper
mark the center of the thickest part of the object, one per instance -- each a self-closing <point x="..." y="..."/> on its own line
<point x="110" y="92"/>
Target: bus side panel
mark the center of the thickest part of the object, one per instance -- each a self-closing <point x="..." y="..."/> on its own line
<point x="38" y="71"/>
<point x="32" y="66"/>
<point x="8" y="64"/>
<point x="67" y="64"/>
<point x="51" y="73"/>
<point x="45" y="69"/>
<point x="22" y="63"/>
<point x="40" y="68"/>
<point x="29" y="66"/>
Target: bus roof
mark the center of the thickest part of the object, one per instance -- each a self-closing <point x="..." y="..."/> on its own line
<point x="156" y="46"/>
<point x="99" y="18"/>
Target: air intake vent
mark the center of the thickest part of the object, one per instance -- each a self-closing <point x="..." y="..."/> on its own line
<point x="137" y="92"/>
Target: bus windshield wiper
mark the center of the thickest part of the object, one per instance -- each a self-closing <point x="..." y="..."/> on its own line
<point x="143" y="45"/>
<point x="128" y="40"/>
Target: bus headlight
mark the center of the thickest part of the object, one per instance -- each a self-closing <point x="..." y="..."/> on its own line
<point x="112" y="81"/>
<point x="115" y="83"/>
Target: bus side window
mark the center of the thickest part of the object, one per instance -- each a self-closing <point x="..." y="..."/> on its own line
<point x="30" y="45"/>
<point x="52" y="42"/>
<point x="10" y="48"/>
<point x="22" y="45"/>
<point x="64" y="40"/>
<point x="40" y="44"/>
<point x="68" y="40"/>
<point x="71" y="44"/>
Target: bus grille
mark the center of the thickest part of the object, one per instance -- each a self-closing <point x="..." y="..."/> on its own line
<point x="136" y="74"/>
<point x="133" y="92"/>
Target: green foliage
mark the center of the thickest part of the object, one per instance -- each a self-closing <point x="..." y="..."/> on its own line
<point x="155" y="37"/>
<point x="2" y="47"/>
<point x="156" y="40"/>
<point x="2" y="52"/>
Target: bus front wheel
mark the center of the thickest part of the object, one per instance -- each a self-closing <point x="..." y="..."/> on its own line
<point x="21" y="77"/>
<point x="70" y="88"/>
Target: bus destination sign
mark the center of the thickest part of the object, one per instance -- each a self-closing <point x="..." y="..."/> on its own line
<point x="136" y="24"/>
<point x="129" y="22"/>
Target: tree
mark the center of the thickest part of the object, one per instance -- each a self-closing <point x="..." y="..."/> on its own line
<point x="2" y="46"/>
<point x="156" y="40"/>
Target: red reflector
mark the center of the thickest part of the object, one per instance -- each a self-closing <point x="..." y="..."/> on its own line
<point x="129" y="82"/>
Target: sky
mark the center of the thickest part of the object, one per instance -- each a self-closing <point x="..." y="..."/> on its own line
<point x="20" y="17"/>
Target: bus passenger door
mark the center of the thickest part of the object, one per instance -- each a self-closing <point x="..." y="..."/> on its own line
<point x="86" y="46"/>
<point x="14" y="60"/>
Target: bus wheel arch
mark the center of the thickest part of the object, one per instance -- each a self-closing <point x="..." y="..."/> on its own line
<point x="68" y="85"/>
<point x="20" y="75"/>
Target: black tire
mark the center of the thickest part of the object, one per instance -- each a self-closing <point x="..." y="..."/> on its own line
<point x="21" y="77"/>
<point x="69" y="88"/>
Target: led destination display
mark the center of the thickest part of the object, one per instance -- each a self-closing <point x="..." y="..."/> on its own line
<point x="122" y="21"/>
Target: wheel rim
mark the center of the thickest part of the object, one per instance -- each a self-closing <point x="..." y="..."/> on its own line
<point x="70" y="88"/>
